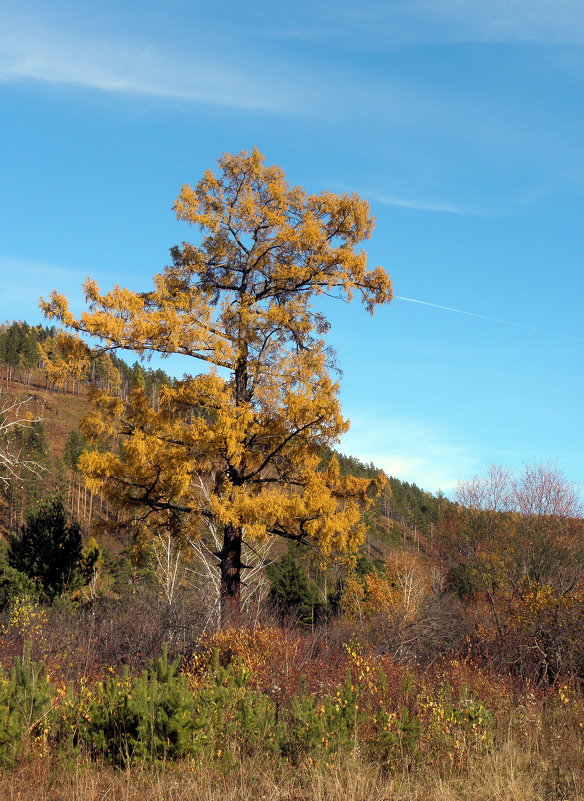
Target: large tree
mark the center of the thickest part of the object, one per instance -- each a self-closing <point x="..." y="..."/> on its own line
<point x="254" y="424"/>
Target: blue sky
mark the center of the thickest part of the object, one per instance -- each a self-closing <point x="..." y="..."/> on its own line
<point x="460" y="120"/>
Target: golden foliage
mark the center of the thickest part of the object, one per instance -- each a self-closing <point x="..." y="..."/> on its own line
<point x="239" y="301"/>
<point x="398" y="590"/>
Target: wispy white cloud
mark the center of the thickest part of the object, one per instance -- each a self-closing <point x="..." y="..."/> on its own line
<point x="221" y="71"/>
<point x="218" y="70"/>
<point x="250" y="77"/>
<point x="122" y="66"/>
<point x="411" y="450"/>
<point x="377" y="24"/>
<point x="421" y="205"/>
<point x="553" y="21"/>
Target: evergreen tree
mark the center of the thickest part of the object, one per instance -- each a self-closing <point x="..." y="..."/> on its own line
<point x="293" y="592"/>
<point x="47" y="548"/>
<point x="138" y="377"/>
<point x="75" y="445"/>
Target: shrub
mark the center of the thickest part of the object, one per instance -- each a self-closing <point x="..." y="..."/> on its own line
<point x="15" y="584"/>
<point x="25" y="701"/>
<point x="316" y="725"/>
<point x="148" y="717"/>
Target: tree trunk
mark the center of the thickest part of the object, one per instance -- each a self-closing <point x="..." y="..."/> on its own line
<point x="230" y="566"/>
<point x="230" y="556"/>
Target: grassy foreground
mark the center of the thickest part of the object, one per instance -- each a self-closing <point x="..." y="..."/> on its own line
<point x="262" y="714"/>
<point x="511" y="772"/>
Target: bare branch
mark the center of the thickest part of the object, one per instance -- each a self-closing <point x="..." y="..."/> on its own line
<point x="14" y="417"/>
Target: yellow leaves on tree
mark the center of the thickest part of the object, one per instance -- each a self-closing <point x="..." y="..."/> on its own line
<point x="396" y="590"/>
<point x="254" y="425"/>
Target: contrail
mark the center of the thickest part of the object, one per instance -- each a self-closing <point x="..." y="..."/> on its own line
<point x="486" y="317"/>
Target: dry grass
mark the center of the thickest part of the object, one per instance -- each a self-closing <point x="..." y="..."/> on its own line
<point x="509" y="773"/>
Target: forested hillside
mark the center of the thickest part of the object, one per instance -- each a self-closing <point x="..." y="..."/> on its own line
<point x="450" y="617"/>
<point x="509" y="570"/>
<point x="55" y="441"/>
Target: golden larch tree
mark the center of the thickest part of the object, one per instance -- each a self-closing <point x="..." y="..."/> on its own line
<point x="254" y="424"/>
